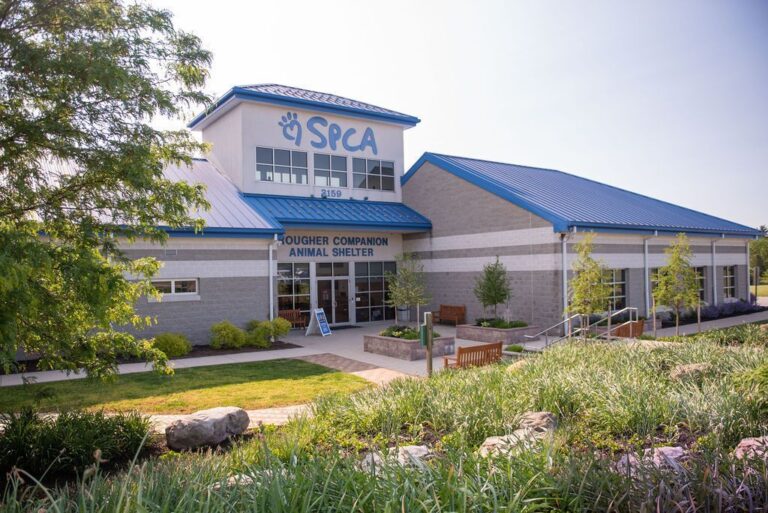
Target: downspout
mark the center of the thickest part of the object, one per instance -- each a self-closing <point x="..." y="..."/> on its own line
<point x="748" y="274"/>
<point x="714" y="275"/>
<point x="271" y="279"/>
<point x="647" y="279"/>
<point x="564" y="268"/>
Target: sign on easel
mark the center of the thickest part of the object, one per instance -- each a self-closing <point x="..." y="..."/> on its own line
<point x="318" y="323"/>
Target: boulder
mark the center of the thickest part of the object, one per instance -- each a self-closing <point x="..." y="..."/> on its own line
<point x="235" y="480"/>
<point x="519" y="364"/>
<point x="413" y="455"/>
<point x="520" y="439"/>
<point x="538" y="421"/>
<point x="206" y="427"/>
<point x="668" y="457"/>
<point x="764" y="327"/>
<point x="371" y="462"/>
<point x="752" y="448"/>
<point x="689" y="371"/>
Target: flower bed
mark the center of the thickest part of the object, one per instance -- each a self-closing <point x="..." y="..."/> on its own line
<point x="403" y="342"/>
<point x="496" y="330"/>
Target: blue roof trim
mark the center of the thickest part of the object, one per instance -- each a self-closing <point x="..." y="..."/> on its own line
<point x="559" y="198"/>
<point x="243" y="93"/>
<point x="303" y="212"/>
<point x="560" y="224"/>
<point x="256" y="233"/>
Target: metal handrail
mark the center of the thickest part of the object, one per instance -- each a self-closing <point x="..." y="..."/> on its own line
<point x="611" y="315"/>
<point x="546" y="331"/>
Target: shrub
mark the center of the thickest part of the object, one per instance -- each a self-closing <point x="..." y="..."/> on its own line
<point x="404" y="332"/>
<point x="173" y="344"/>
<point x="69" y="442"/>
<point x="499" y="323"/>
<point x="225" y="335"/>
<point x="261" y="333"/>
<point x="514" y="348"/>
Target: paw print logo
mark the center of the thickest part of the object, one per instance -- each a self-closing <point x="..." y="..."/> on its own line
<point x="291" y="127"/>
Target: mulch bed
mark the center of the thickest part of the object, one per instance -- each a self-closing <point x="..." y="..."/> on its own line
<point x="197" y="351"/>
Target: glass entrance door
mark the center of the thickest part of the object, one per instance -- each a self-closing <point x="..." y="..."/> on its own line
<point x="333" y="291"/>
<point x="333" y="298"/>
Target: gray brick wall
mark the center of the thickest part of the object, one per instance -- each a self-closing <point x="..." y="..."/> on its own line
<point x="235" y="299"/>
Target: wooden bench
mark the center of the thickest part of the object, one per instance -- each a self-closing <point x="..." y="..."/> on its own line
<point x="633" y="329"/>
<point x="473" y="356"/>
<point x="295" y="317"/>
<point x="451" y="313"/>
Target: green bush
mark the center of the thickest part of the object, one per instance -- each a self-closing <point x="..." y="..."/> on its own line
<point x="500" y="323"/>
<point x="260" y="333"/>
<point x="514" y="348"/>
<point x="69" y="442"/>
<point x="173" y="344"/>
<point x="225" y="335"/>
<point x="404" y="332"/>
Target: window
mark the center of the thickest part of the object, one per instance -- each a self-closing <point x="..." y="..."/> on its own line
<point x="293" y="288"/>
<point x="330" y="170"/>
<point x="729" y="281"/>
<point x="373" y="174"/>
<point x="281" y="166"/>
<point x="700" y="281"/>
<point x="617" y="280"/>
<point x="176" y="290"/>
<point x="371" y="291"/>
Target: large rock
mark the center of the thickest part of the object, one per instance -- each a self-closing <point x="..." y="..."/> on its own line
<point x="534" y="426"/>
<point x="206" y="427"/>
<point x="412" y="455"/>
<point x="690" y="371"/>
<point x="752" y="448"/>
<point x="519" y="364"/>
<point x="668" y="457"/>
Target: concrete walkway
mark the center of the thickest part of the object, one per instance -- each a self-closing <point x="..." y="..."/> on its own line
<point x="346" y="343"/>
<point x="711" y="325"/>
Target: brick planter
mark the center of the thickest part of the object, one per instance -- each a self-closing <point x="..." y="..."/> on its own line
<point x="505" y="336"/>
<point x="407" y="349"/>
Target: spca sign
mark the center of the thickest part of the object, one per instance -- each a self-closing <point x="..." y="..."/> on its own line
<point x="324" y="134"/>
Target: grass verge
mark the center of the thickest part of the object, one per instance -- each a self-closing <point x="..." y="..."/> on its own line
<point x="247" y="385"/>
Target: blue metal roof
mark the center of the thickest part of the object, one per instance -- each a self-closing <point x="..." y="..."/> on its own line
<point x="229" y="215"/>
<point x="569" y="201"/>
<point x="302" y="212"/>
<point x="296" y="97"/>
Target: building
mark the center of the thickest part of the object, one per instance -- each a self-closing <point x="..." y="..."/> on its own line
<point x="310" y="206"/>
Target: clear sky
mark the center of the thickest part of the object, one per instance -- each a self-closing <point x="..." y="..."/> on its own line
<point x="667" y="98"/>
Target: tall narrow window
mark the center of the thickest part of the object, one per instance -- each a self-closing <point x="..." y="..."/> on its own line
<point x="371" y="291"/>
<point x="729" y="281"/>
<point x="281" y="166"/>
<point x="616" y="279"/>
<point x="700" y="281"/>
<point x="293" y="287"/>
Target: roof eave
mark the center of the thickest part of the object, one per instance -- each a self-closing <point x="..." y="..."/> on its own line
<point x="248" y="94"/>
<point x="661" y="230"/>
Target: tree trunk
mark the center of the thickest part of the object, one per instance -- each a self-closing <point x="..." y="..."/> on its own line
<point x="677" y="322"/>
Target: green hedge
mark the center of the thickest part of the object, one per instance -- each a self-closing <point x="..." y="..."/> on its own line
<point x="173" y="344"/>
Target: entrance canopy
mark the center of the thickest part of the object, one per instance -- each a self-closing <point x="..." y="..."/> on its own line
<point x="326" y="213"/>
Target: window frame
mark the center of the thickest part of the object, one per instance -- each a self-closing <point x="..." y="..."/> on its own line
<point x="368" y="174"/>
<point x="701" y="282"/>
<point x="614" y="299"/>
<point x="331" y="171"/>
<point x="293" y="170"/>
<point x="376" y="287"/>
<point x="729" y="281"/>
<point x="173" y="295"/>
<point x="293" y="279"/>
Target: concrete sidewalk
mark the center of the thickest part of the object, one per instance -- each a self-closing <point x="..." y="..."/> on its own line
<point x="345" y="343"/>
<point x="710" y="325"/>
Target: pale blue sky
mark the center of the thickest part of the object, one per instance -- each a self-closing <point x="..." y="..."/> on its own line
<point x="665" y="98"/>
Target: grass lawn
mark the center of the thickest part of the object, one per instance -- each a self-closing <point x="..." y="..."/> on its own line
<point x="247" y="385"/>
<point x="762" y="290"/>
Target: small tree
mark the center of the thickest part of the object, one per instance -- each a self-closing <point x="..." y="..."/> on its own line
<point x="492" y="287"/>
<point x="676" y="282"/>
<point x="407" y="286"/>
<point x="589" y="292"/>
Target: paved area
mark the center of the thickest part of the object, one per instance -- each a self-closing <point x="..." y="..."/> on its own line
<point x="710" y="325"/>
<point x="377" y="375"/>
<point x="347" y="343"/>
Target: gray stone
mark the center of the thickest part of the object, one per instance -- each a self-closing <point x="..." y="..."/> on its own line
<point x="413" y="455"/>
<point x="519" y="364"/>
<point x="371" y="462"/>
<point x="235" y="480"/>
<point x="520" y="439"/>
<point x="206" y="427"/>
<point x="538" y="421"/>
<point x="668" y="457"/>
<point x="752" y="448"/>
<point x="689" y="371"/>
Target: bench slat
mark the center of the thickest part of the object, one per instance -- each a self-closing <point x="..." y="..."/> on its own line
<point x="475" y="356"/>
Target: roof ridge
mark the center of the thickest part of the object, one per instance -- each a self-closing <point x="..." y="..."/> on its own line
<point x="615" y="187"/>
